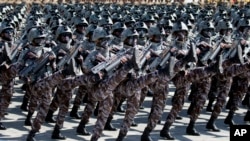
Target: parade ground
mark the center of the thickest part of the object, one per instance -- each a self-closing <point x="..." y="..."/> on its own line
<point x="16" y="131"/>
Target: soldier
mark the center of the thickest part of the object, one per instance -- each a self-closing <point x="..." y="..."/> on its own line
<point x="88" y="46"/>
<point x="240" y="83"/>
<point x="8" y="71"/>
<point x="182" y="80"/>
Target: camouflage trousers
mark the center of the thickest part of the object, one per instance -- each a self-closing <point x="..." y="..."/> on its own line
<point x="7" y="80"/>
<point x="41" y="97"/>
<point x="224" y="84"/>
<point x="182" y="82"/>
<point x="160" y="89"/>
<point x="64" y="93"/>
<point x="200" y="97"/>
<point x="102" y="92"/>
<point x="81" y="93"/>
<point x="131" y="89"/>
<point x="238" y="90"/>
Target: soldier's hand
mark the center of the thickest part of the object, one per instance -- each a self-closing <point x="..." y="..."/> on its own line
<point x="61" y="51"/>
<point x="32" y="55"/>
<point x="124" y="59"/>
<point x="100" y="57"/>
<point x="173" y="49"/>
<point x="52" y="57"/>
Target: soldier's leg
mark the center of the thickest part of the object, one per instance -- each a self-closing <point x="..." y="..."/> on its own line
<point x="88" y="111"/>
<point x="177" y="103"/>
<point x="41" y="114"/>
<point x="103" y="115"/>
<point x="199" y="100"/>
<point x="82" y="92"/>
<point x="54" y="106"/>
<point x="159" y="101"/>
<point x="223" y="90"/>
<point x="64" y="99"/>
<point x="34" y="101"/>
<point x="144" y="92"/>
<point x="132" y="109"/>
<point x="237" y="95"/>
<point x="26" y="98"/>
<point x="213" y="92"/>
<point x="5" y="96"/>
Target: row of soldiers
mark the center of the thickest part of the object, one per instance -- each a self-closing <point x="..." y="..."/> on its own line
<point x="115" y="53"/>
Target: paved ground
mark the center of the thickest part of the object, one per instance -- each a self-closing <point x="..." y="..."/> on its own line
<point x="17" y="131"/>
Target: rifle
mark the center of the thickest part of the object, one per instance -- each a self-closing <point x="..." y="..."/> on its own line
<point x="35" y="67"/>
<point x="12" y="51"/>
<point x="110" y="63"/>
<point x="160" y="60"/>
<point x="66" y="59"/>
<point x="215" y="51"/>
<point x="145" y="53"/>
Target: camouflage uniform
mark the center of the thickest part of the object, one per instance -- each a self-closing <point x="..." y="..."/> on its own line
<point x="88" y="46"/>
<point x="7" y="78"/>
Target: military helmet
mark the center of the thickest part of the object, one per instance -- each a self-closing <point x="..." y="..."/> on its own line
<point x="205" y="25"/>
<point x="179" y="26"/>
<point x="81" y="20"/>
<point x="141" y="25"/>
<point x="90" y="29"/>
<point x="62" y="29"/>
<point x="244" y="22"/>
<point x="117" y="26"/>
<point x="6" y="25"/>
<point x="155" y="30"/>
<point x="105" y="21"/>
<point x="36" y="32"/>
<point x="100" y="32"/>
<point x="129" y="33"/>
<point x="224" y="24"/>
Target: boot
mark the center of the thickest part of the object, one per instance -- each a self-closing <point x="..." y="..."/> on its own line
<point x="229" y="118"/>
<point x="247" y="116"/>
<point x="2" y="127"/>
<point x="246" y="101"/>
<point x="146" y="135"/>
<point x="28" y="119"/>
<point x="165" y="132"/>
<point x="210" y="105"/>
<point x="134" y="124"/>
<point x="49" y="118"/>
<point x="81" y="130"/>
<point x="150" y="93"/>
<point x="178" y="117"/>
<point x="211" y="125"/>
<point x="120" y="107"/>
<point x="109" y="126"/>
<point x="96" y="110"/>
<point x="24" y="105"/>
<point x="31" y="136"/>
<point x="56" y="134"/>
<point x="120" y="137"/>
<point x="74" y="113"/>
<point x="191" y="130"/>
<point x="190" y="108"/>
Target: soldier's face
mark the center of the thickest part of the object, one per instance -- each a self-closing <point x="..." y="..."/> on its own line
<point x="207" y="32"/>
<point x="157" y="38"/>
<point x="65" y="37"/>
<point x="131" y="41"/>
<point x="81" y="28"/>
<point x="104" y="42"/>
<point x="8" y="34"/>
<point x="246" y="31"/>
<point x="142" y="32"/>
<point x="39" y="41"/>
<point x="227" y="32"/>
<point x="181" y="36"/>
